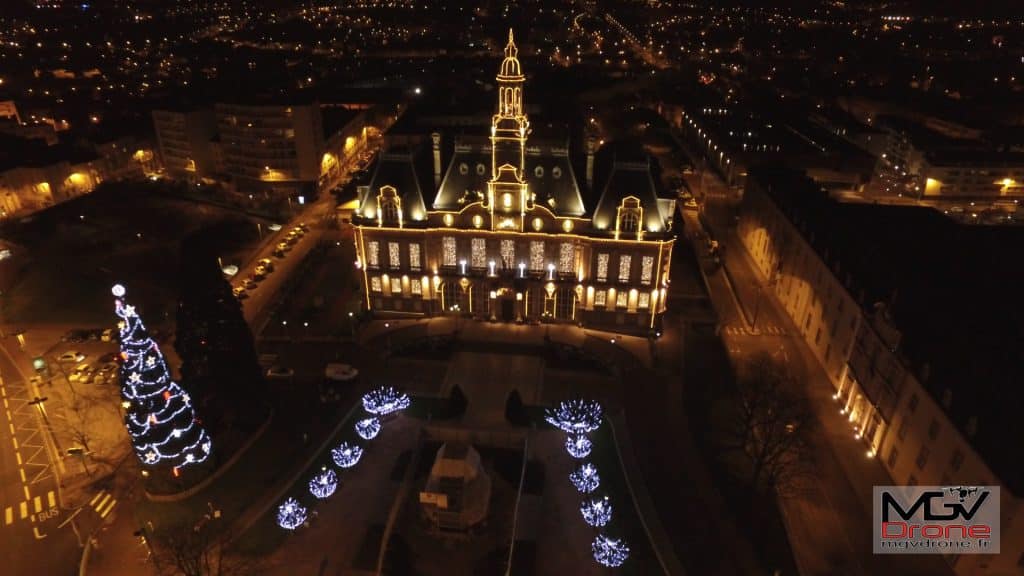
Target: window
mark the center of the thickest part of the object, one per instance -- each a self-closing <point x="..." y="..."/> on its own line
<point x="912" y="404"/>
<point x="893" y="454"/>
<point x="375" y="284"/>
<point x="643" y="300"/>
<point x="448" y="252"/>
<point x="922" y="458"/>
<point x="933" y="429"/>
<point x="478" y="253"/>
<point x="536" y="255"/>
<point x="566" y="258"/>
<point x="621" y="299"/>
<point x="417" y="287"/>
<point x="508" y="253"/>
<point x="624" y="261"/>
<point x="646" y="269"/>
<point x="600" y="297"/>
<point x="396" y="286"/>
<point x="958" y="460"/>
<point x="602" y="267"/>
<point x="414" y="256"/>
<point x="630" y="222"/>
<point x="373" y="253"/>
<point x="394" y="257"/>
<point x="389" y="211"/>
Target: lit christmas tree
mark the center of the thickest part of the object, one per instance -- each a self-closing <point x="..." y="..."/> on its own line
<point x="158" y="413"/>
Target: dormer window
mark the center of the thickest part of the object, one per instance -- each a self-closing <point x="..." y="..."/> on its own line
<point x="481" y="169"/>
<point x="556" y="172"/>
<point x="390" y="207"/>
<point x="463" y="169"/>
<point x="629" y="216"/>
<point x="538" y="171"/>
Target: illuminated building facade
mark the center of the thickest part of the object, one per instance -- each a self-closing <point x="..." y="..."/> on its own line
<point x="507" y="235"/>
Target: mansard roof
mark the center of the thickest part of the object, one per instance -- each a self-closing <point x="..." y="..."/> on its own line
<point x="407" y="169"/>
<point x="549" y="175"/>
<point x="629" y="174"/>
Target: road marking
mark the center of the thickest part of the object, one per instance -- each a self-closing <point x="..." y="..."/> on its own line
<point x="11" y="424"/>
<point x="22" y="470"/>
<point x="17" y="456"/>
<point x="35" y="532"/>
<point x="24" y="510"/>
<point x="106" y="498"/>
<point x="110" y="506"/>
<point x="38" y="503"/>
<point x="15" y="441"/>
<point x="51" y="499"/>
<point x="27" y="495"/>
<point x="8" y="515"/>
<point x="96" y="498"/>
<point x="5" y="403"/>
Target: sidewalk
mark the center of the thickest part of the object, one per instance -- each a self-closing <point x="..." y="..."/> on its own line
<point x="116" y="550"/>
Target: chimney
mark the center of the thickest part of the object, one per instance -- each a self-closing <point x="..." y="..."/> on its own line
<point x="436" y="138"/>
<point x="590" y="162"/>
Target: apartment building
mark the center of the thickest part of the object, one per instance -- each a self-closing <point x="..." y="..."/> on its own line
<point x="930" y="390"/>
<point x="184" y="140"/>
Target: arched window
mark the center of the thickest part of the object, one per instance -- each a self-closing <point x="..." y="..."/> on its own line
<point x="390" y="206"/>
<point x="630" y="222"/>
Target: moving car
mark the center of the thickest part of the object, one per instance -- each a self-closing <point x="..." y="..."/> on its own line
<point x="280" y="373"/>
<point x="71" y="356"/>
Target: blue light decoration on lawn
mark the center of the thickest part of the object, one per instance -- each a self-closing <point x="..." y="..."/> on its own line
<point x="324" y="484"/>
<point x="585" y="478"/>
<point x="346" y="455"/>
<point x="575" y="416"/>
<point x="384" y="401"/>
<point x="596" y="511"/>
<point x="578" y="446"/>
<point x="368" y="428"/>
<point x="291" y="514"/>
<point x="608" y="551"/>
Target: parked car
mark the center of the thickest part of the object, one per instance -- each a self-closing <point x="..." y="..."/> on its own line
<point x="280" y="373"/>
<point x="71" y="356"/>
<point x="259" y="273"/>
<point x="110" y="358"/>
<point x="107" y="335"/>
<point x="340" y="372"/>
<point x="279" y="253"/>
<point x="239" y="292"/>
<point x="283" y="246"/>
<point x="98" y="378"/>
<point x="249" y="283"/>
<point x="80" y="374"/>
<point x="266" y="263"/>
<point x="108" y="368"/>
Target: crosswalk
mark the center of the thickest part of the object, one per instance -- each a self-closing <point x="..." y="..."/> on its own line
<point x="31" y="508"/>
<point x="761" y="331"/>
<point x="103" y="502"/>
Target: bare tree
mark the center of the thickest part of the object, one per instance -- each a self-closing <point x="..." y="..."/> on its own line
<point x="191" y="550"/>
<point x="773" y="425"/>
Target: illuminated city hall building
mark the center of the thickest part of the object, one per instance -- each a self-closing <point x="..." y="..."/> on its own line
<point x="507" y="236"/>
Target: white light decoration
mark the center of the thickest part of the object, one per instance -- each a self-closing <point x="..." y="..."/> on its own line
<point x="159" y="415"/>
<point x="384" y="401"/>
<point x="575" y="416"/>
<point x="347" y="455"/>
<point x="291" y="514"/>
<point x="585" y="478"/>
<point x="596" y="511"/>
<point x="368" y="428"/>
<point x="611" y="552"/>
<point x="578" y="446"/>
<point x="324" y="484"/>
